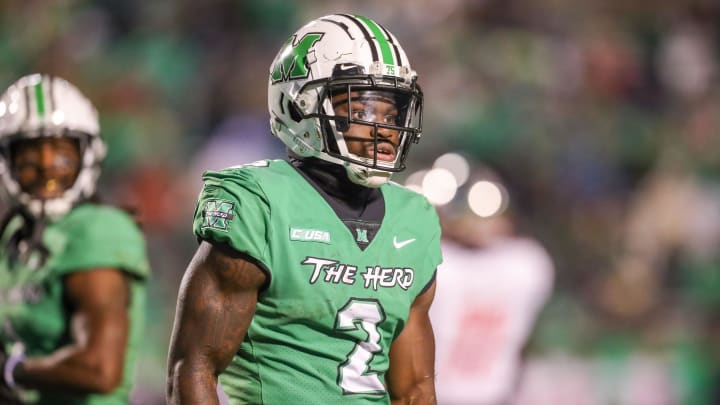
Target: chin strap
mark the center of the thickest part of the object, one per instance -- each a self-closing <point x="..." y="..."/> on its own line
<point x="16" y="357"/>
<point x="26" y="240"/>
<point x="360" y="175"/>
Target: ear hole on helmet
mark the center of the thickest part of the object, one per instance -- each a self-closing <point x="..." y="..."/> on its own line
<point x="294" y="111"/>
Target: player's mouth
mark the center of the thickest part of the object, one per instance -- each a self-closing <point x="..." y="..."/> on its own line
<point x="48" y="188"/>
<point x="385" y="151"/>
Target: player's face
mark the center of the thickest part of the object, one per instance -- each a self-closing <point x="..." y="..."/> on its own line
<point x="45" y="167"/>
<point x="374" y="108"/>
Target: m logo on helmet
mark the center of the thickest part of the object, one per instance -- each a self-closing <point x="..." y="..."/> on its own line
<point x="291" y="63"/>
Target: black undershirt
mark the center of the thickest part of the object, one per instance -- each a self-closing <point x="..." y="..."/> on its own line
<point x="360" y="208"/>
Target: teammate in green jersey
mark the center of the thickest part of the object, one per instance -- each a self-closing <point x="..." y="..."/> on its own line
<point x="314" y="276"/>
<point x="72" y="271"/>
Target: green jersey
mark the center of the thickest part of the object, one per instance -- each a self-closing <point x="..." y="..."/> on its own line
<point x="324" y="324"/>
<point x="32" y="306"/>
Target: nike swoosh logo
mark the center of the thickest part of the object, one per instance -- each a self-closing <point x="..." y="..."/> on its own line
<point x="400" y="245"/>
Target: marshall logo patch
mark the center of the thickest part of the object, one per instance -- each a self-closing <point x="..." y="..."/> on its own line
<point x="218" y="214"/>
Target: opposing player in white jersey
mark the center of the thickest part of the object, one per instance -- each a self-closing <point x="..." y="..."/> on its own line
<point x="491" y="286"/>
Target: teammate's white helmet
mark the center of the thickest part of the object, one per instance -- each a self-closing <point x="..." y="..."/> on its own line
<point x="336" y="54"/>
<point x="44" y="106"/>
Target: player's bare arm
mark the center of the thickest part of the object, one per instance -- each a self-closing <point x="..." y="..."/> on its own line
<point x="93" y="362"/>
<point x="216" y="303"/>
<point x="411" y="376"/>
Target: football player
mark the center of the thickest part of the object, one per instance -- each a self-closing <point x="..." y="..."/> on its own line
<point x="314" y="276"/>
<point x="72" y="271"/>
<point x="494" y="281"/>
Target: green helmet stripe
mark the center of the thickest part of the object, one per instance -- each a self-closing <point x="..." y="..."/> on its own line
<point x="387" y="53"/>
<point x="39" y="99"/>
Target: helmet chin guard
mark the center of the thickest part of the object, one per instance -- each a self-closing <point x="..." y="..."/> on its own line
<point x="345" y="54"/>
<point x="39" y="106"/>
<point x="367" y="177"/>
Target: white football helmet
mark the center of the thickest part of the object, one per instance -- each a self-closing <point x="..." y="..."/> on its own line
<point x="44" y="106"/>
<point x="340" y="54"/>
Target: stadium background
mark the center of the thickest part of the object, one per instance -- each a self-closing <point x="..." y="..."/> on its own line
<point x="602" y="116"/>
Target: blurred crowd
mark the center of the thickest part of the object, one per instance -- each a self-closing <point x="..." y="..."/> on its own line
<point x="602" y="116"/>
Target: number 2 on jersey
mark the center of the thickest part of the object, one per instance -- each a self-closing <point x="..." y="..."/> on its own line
<point x="355" y="375"/>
